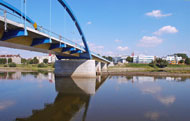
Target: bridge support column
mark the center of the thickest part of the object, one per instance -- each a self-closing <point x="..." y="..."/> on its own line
<point x="98" y="68"/>
<point x="104" y="67"/>
<point x="75" y="68"/>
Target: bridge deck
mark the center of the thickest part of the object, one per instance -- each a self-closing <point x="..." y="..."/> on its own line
<point x="42" y="44"/>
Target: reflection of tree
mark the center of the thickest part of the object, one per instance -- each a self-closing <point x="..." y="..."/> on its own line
<point x="69" y="101"/>
<point x="64" y="108"/>
<point x="7" y="75"/>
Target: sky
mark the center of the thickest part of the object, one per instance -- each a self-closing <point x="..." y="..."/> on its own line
<point x="117" y="27"/>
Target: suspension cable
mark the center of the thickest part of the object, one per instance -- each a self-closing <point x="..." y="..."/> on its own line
<point x="21" y="9"/>
<point x="50" y="17"/>
<point x="25" y="31"/>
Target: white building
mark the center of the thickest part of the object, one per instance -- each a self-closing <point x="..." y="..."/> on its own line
<point x="143" y="59"/>
<point x="51" y="58"/>
<point x="15" y="58"/>
<point x="119" y="59"/>
<point x="173" y="59"/>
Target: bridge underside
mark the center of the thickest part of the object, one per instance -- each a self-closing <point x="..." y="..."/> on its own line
<point x="37" y="41"/>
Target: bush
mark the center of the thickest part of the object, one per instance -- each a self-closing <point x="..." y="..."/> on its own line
<point x="181" y="61"/>
<point x="5" y="65"/>
<point x="42" y="65"/>
<point x="153" y="64"/>
<point x="159" y="63"/>
<point x="187" y="61"/>
<point x="45" y="61"/>
<point x="12" y="64"/>
<point x="3" y="60"/>
<point x="10" y="60"/>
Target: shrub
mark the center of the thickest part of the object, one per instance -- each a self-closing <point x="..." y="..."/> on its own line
<point x="45" y="61"/>
<point x="153" y="64"/>
<point x="42" y="65"/>
<point x="12" y="64"/>
<point x="159" y="63"/>
<point x="3" y="60"/>
<point x="182" y="61"/>
<point x="5" y="65"/>
<point x="10" y="60"/>
<point x="187" y="61"/>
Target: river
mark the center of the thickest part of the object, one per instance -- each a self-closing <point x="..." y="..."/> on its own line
<point x="33" y="96"/>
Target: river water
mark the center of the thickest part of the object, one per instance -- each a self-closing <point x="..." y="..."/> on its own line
<point x="37" y="96"/>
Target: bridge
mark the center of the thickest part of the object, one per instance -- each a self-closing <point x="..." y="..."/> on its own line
<point x="73" y="59"/>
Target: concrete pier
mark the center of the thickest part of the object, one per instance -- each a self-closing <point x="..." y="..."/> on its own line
<point x="75" y="68"/>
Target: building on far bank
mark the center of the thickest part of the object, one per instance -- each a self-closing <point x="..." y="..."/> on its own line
<point x="121" y="59"/>
<point x="51" y="58"/>
<point x="15" y="58"/>
<point x="143" y="59"/>
<point x="173" y="59"/>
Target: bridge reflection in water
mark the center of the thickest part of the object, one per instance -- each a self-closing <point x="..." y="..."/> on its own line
<point x="71" y="102"/>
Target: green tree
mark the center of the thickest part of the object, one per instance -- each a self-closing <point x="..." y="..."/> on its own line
<point x="187" y="61"/>
<point x="10" y="60"/>
<point x="181" y="61"/>
<point x="129" y="59"/>
<point x="35" y="60"/>
<point x="31" y="61"/>
<point x="159" y="63"/>
<point x="108" y="58"/>
<point x="3" y="61"/>
<point x="12" y="64"/>
<point x="183" y="55"/>
<point x="23" y="61"/>
<point x="153" y="64"/>
<point x="45" y="61"/>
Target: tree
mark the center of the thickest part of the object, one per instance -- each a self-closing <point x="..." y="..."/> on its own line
<point x="12" y="64"/>
<point x="10" y="60"/>
<point x="153" y="64"/>
<point x="129" y="59"/>
<point x="184" y="56"/>
<point x="181" y="61"/>
<point x="45" y="61"/>
<point x="159" y="63"/>
<point x="108" y="58"/>
<point x="35" y="60"/>
<point x="187" y="61"/>
<point x="3" y="60"/>
<point x="23" y="61"/>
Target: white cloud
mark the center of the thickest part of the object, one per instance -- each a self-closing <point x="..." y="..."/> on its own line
<point x="6" y="104"/>
<point x="122" y="48"/>
<point x="166" y="30"/>
<point x="167" y="100"/>
<point x="150" y="41"/>
<point x="157" y="14"/>
<point x="89" y="23"/>
<point x="118" y="40"/>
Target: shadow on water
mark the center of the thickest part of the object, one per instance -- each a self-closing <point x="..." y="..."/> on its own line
<point x="73" y="98"/>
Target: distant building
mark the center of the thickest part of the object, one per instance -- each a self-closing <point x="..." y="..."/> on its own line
<point x="173" y="59"/>
<point x="117" y="60"/>
<point x="143" y="59"/>
<point x="15" y="58"/>
<point x="51" y="58"/>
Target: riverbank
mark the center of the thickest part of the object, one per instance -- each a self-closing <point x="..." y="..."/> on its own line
<point x="145" y="69"/>
<point x="28" y="68"/>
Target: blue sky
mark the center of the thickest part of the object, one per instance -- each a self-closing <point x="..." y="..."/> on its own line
<point x="118" y="27"/>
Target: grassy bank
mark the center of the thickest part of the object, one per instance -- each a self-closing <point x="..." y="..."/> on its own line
<point x="29" y="67"/>
<point x="131" y="67"/>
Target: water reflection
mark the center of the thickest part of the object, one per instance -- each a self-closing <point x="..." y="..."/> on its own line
<point x="72" y="100"/>
<point x="34" y="96"/>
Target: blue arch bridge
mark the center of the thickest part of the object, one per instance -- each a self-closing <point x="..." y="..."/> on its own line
<point x="73" y="59"/>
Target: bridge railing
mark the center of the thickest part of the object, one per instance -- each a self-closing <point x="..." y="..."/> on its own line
<point x="18" y="19"/>
<point x="14" y="17"/>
